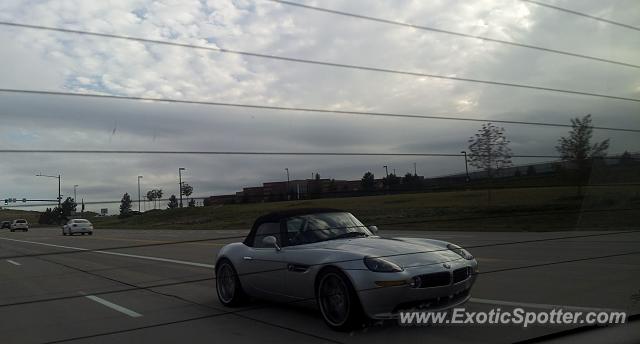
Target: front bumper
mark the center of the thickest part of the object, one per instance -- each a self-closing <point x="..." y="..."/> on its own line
<point x="386" y="302"/>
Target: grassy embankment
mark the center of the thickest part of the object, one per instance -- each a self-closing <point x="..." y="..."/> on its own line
<point x="517" y="209"/>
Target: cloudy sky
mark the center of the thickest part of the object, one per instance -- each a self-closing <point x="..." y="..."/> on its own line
<point x="41" y="60"/>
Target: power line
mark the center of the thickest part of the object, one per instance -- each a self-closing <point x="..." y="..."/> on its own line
<point x="174" y="152"/>
<point x="604" y="20"/>
<point x="321" y="63"/>
<point x="301" y="109"/>
<point x="454" y="33"/>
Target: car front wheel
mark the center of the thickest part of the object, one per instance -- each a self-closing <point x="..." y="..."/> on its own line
<point x="228" y="286"/>
<point x="338" y="301"/>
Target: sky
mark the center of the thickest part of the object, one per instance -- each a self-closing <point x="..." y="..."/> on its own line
<point x="41" y="60"/>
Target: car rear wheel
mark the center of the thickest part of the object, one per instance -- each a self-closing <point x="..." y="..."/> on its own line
<point x="338" y="301"/>
<point x="228" y="286"/>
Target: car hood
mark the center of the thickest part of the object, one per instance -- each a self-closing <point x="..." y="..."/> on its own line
<point x="403" y="251"/>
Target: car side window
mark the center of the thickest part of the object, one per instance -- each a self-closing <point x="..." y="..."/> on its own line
<point x="264" y="230"/>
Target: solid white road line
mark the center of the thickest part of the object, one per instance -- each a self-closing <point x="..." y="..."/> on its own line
<point x="13" y="262"/>
<point x="114" y="306"/>
<point x="537" y="305"/>
<point x="183" y="262"/>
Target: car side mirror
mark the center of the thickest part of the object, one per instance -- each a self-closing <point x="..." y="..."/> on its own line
<point x="373" y="229"/>
<point x="271" y="241"/>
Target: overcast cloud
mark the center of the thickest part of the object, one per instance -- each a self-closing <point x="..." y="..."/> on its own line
<point x="62" y="62"/>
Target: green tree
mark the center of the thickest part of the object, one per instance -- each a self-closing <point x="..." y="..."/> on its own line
<point x="187" y="189"/>
<point x="151" y="197"/>
<point x="578" y="149"/>
<point x="392" y="181"/>
<point x="125" y="205"/>
<point x="173" y="202"/>
<point x="68" y="207"/>
<point x="368" y="181"/>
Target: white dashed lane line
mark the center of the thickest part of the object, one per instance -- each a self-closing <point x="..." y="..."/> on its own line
<point x="159" y="259"/>
<point x="113" y="306"/>
<point x="13" y="262"/>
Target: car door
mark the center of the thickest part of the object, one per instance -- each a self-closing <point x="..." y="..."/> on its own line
<point x="263" y="268"/>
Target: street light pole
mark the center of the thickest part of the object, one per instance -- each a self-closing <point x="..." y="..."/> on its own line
<point x="59" y="185"/>
<point x="386" y="170"/>
<point x="180" y="180"/>
<point x="139" y="177"/>
<point x="288" y="191"/>
<point x="466" y="166"/>
<point x="75" y="197"/>
<point x="415" y="169"/>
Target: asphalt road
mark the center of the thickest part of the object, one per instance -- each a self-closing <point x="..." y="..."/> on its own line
<point x="51" y="290"/>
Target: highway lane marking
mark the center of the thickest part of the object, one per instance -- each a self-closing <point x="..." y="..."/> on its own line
<point x="114" y="306"/>
<point x="537" y="305"/>
<point x="13" y="262"/>
<point x="183" y="262"/>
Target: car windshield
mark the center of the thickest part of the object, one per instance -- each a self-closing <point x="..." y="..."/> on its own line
<point x="21" y="221"/>
<point x="80" y="221"/>
<point x="312" y="228"/>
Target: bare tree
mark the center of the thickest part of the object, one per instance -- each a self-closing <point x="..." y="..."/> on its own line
<point x="489" y="150"/>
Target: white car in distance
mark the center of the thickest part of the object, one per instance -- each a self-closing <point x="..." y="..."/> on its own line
<point x="74" y="226"/>
<point x="19" y="225"/>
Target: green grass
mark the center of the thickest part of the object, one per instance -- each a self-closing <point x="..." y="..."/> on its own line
<point x="518" y="209"/>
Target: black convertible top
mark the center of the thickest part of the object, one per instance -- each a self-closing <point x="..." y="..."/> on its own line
<point x="277" y="216"/>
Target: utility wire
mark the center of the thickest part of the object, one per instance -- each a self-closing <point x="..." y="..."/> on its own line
<point x="322" y="63"/>
<point x="454" y="33"/>
<point x="604" y="20"/>
<point x="302" y="109"/>
<point x="176" y="152"/>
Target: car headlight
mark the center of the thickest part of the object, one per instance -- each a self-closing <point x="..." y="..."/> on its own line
<point x="460" y="251"/>
<point x="381" y="265"/>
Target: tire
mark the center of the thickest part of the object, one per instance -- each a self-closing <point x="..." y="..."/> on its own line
<point x="338" y="301"/>
<point x="90" y="233"/>
<point x="228" y="285"/>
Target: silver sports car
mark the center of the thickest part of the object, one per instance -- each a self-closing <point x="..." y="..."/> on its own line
<point x="327" y="255"/>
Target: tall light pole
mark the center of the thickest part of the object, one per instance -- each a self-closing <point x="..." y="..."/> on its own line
<point x="415" y="169"/>
<point x="288" y="193"/>
<point x="180" y="182"/>
<point x="386" y="170"/>
<point x="75" y="197"/>
<point x="139" y="177"/>
<point x="466" y="166"/>
<point x="59" y="182"/>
